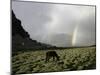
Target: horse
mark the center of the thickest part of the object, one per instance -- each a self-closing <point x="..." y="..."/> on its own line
<point x="52" y="54"/>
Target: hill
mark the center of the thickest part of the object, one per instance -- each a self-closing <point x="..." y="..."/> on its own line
<point x="21" y="39"/>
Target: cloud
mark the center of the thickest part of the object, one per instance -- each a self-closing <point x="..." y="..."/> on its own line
<point x="86" y="31"/>
<point x="56" y="23"/>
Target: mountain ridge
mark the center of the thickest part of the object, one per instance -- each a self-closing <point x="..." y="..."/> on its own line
<point x="21" y="38"/>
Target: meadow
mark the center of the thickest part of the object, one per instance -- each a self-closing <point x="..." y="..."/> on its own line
<point x="72" y="59"/>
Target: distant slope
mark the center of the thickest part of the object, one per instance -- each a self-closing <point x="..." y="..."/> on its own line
<point x="21" y="39"/>
<point x="93" y="45"/>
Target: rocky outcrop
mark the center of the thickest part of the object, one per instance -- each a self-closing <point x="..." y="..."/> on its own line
<point x="17" y="27"/>
<point x="21" y="39"/>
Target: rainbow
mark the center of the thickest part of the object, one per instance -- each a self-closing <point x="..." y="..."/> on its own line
<point x="74" y="35"/>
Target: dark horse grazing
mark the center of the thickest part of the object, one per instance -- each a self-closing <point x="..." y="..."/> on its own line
<point x="52" y="54"/>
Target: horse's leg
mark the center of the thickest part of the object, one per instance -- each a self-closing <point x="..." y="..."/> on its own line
<point x="53" y="58"/>
<point x="46" y="59"/>
<point x="56" y="58"/>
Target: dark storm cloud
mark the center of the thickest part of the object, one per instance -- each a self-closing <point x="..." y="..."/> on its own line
<point x="56" y="24"/>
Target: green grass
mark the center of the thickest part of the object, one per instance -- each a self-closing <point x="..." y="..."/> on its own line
<point x="74" y="59"/>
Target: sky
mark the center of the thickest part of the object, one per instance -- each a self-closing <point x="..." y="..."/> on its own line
<point x="62" y="25"/>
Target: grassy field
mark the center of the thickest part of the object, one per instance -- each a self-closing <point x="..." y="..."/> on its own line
<point x="73" y="59"/>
